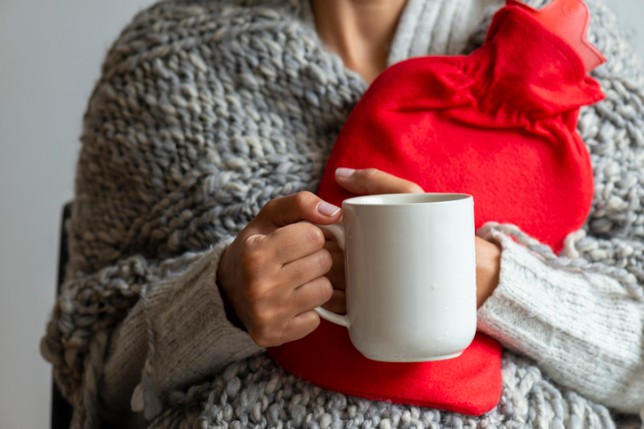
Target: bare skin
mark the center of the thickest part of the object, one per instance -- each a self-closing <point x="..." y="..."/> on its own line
<point x="273" y="274"/>
<point x="488" y="255"/>
<point x="359" y="31"/>
<point x="281" y="266"/>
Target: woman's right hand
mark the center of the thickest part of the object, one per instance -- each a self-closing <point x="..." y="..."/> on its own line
<point x="273" y="274"/>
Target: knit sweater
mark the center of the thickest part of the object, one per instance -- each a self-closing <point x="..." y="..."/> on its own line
<point x="206" y="110"/>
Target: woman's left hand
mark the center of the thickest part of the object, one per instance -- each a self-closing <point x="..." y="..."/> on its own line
<point x="372" y="181"/>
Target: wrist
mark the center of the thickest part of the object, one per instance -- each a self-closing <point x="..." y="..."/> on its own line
<point x="488" y="268"/>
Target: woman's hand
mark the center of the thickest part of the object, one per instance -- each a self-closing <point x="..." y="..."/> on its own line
<point x="281" y="266"/>
<point x="372" y="181"/>
<point x="273" y="274"/>
<point x="488" y="267"/>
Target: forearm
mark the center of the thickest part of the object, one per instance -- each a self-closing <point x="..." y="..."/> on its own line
<point x="178" y="334"/>
<point x="583" y="328"/>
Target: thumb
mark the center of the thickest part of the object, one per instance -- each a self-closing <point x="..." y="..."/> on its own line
<point x="303" y="206"/>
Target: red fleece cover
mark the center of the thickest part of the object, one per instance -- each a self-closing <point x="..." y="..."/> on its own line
<point x="499" y="124"/>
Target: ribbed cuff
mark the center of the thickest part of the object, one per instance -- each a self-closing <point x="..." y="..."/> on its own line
<point x="581" y="327"/>
<point x="190" y="336"/>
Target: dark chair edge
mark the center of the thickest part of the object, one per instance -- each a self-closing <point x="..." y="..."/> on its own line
<point x="61" y="410"/>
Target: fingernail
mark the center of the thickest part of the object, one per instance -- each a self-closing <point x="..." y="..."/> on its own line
<point x="328" y="209"/>
<point x="344" y="172"/>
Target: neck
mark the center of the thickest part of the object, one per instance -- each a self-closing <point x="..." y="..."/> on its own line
<point x="359" y="31"/>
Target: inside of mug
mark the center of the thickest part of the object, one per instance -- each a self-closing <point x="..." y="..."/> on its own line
<point x="399" y="199"/>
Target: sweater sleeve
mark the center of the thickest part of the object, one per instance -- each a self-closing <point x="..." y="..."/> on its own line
<point x="580" y="315"/>
<point x="585" y="328"/>
<point x="175" y="336"/>
<point x="159" y="195"/>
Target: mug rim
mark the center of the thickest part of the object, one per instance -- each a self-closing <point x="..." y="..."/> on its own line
<point x="407" y="199"/>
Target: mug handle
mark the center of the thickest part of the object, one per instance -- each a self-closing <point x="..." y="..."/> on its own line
<point x="338" y="232"/>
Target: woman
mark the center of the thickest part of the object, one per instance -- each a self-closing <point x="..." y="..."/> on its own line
<point x="188" y="256"/>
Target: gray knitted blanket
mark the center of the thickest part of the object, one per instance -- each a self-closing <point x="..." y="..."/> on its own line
<point x="205" y="111"/>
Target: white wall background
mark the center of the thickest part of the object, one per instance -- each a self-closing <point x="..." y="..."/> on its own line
<point x="50" y="52"/>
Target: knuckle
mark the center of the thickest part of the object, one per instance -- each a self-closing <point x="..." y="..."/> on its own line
<point x="259" y="290"/>
<point x="313" y="234"/>
<point x="304" y="198"/>
<point x="412" y="188"/>
<point x="325" y="259"/>
<point x="371" y="172"/>
<point x="252" y="260"/>
<point x="325" y="289"/>
<point x="256" y="293"/>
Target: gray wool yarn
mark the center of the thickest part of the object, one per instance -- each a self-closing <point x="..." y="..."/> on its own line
<point x="208" y="109"/>
<point x="256" y="393"/>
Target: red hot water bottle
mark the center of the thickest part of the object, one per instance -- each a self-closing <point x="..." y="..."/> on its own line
<point x="499" y="124"/>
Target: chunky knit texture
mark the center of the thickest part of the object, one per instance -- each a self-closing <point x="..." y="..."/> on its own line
<point x="208" y="109"/>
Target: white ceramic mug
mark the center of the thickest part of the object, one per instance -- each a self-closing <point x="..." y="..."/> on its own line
<point x="410" y="274"/>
